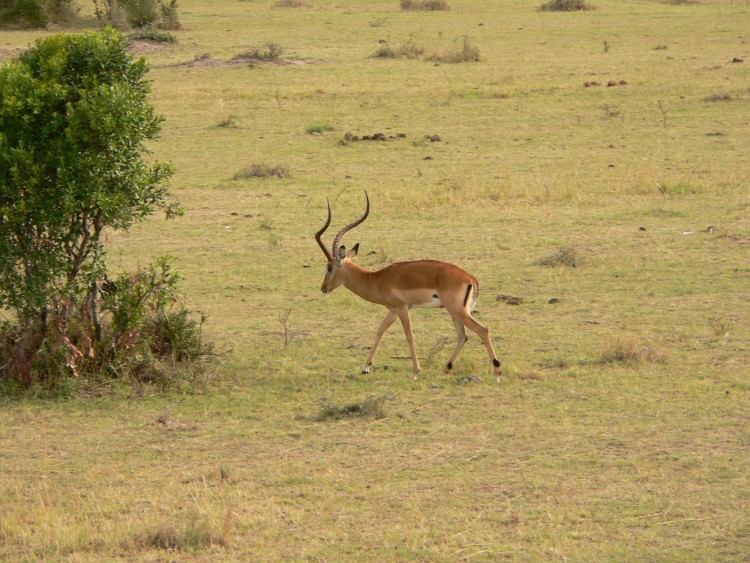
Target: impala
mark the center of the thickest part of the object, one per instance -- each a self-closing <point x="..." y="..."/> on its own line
<point x="403" y="285"/>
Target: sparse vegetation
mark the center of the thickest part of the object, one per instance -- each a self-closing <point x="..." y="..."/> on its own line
<point x="428" y="5"/>
<point x="467" y="52"/>
<point x="228" y="122"/>
<point x="150" y="33"/>
<point x="566" y="6"/>
<point x="270" y="52"/>
<point x="624" y="380"/>
<point x="291" y="4"/>
<point x="318" y="128"/>
<point x="263" y="171"/>
<point x="407" y="50"/>
<point x="372" y="406"/>
<point x="631" y="349"/>
<point x="565" y="256"/>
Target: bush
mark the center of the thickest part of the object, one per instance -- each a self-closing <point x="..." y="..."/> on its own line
<point x="138" y="13"/>
<point x="147" y="337"/>
<point x="74" y="123"/>
<point x="24" y="13"/>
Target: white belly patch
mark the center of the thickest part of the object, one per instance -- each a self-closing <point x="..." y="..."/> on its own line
<point x="434" y="303"/>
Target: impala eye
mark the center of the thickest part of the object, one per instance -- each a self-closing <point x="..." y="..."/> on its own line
<point x="330" y="268"/>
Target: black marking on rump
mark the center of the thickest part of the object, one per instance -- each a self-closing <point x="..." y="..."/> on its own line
<point x="496" y="363"/>
<point x="468" y="294"/>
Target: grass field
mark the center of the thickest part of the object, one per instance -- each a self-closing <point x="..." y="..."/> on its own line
<point x="619" y="430"/>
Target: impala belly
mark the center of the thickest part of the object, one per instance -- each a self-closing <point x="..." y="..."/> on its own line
<point x="423" y="298"/>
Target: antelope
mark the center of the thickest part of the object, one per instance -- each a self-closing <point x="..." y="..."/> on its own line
<point x="403" y="285"/>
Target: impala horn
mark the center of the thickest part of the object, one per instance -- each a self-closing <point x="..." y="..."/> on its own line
<point x="348" y="228"/>
<point x="323" y="230"/>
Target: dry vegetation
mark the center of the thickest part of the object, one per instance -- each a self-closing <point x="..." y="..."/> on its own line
<point x="619" y="430"/>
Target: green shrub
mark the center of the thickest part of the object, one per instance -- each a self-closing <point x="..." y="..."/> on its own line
<point x="24" y="13"/>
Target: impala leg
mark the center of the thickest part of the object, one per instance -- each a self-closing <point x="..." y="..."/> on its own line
<point x="484" y="334"/>
<point x="403" y="314"/>
<point x="387" y="322"/>
<point x="462" y="338"/>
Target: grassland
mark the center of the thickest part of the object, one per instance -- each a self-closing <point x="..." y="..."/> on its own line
<point x="620" y="428"/>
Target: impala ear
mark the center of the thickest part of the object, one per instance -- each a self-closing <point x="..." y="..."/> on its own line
<point x="342" y="253"/>
<point x="353" y="252"/>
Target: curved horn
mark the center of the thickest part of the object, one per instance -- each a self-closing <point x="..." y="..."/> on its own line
<point x="348" y="228"/>
<point x="323" y="230"/>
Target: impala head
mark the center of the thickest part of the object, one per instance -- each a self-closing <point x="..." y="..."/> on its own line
<point x="338" y="255"/>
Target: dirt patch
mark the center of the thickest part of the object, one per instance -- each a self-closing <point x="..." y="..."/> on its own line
<point x="143" y="47"/>
<point x="10" y="53"/>
<point x="208" y="61"/>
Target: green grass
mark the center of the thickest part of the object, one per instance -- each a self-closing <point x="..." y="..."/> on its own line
<point x="619" y="429"/>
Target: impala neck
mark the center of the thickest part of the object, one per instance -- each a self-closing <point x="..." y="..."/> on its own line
<point x="361" y="282"/>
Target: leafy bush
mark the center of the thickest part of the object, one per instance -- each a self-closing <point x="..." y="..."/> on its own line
<point x="24" y="13"/>
<point x="74" y="122"/>
<point x="138" y="13"/>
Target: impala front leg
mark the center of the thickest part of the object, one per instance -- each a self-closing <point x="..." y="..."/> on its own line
<point x="381" y="331"/>
<point x="403" y="314"/>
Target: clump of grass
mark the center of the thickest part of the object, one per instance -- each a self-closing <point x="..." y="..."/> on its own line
<point x="268" y="52"/>
<point x="566" y="256"/>
<point x="428" y="5"/>
<point x="291" y="4"/>
<point x="680" y="2"/>
<point x="228" y="122"/>
<point x="318" y="128"/>
<point x="566" y="6"/>
<point x="408" y="50"/>
<point x="718" y="98"/>
<point x="372" y="406"/>
<point x="679" y="188"/>
<point x="151" y="33"/>
<point x="631" y="350"/>
<point x="193" y="533"/>
<point x="263" y="171"/>
<point x="466" y="53"/>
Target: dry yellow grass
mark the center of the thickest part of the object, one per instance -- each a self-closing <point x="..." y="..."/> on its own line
<point x="576" y="454"/>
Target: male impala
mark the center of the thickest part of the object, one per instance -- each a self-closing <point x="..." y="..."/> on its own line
<point x="403" y="285"/>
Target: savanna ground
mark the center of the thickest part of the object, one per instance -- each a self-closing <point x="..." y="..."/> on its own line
<point x="619" y="430"/>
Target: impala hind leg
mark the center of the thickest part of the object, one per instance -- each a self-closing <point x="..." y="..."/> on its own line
<point x="387" y="322"/>
<point x="462" y="338"/>
<point x="471" y="323"/>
